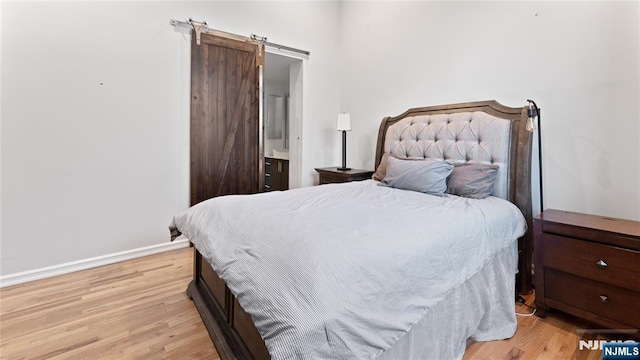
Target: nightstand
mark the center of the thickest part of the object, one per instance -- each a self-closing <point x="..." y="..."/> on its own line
<point x="333" y="175"/>
<point x="588" y="266"/>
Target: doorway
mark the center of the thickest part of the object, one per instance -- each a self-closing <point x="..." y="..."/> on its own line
<point x="282" y="101"/>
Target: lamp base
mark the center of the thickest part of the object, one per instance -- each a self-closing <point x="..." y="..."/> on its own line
<point x="343" y="168"/>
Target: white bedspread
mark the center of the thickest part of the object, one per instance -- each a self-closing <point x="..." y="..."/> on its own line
<point x="345" y="270"/>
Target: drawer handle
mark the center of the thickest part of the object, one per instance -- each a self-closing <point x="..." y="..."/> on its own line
<point x="604" y="299"/>
<point x="602" y="264"/>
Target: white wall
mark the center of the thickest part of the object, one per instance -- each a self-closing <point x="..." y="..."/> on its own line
<point x="578" y="60"/>
<point x="89" y="169"/>
<point x="95" y="117"/>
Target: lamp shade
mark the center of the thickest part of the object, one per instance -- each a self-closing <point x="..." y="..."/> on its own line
<point x="344" y="122"/>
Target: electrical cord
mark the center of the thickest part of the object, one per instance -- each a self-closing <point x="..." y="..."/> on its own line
<point x="530" y="307"/>
<point x="531" y="314"/>
<point x="522" y="301"/>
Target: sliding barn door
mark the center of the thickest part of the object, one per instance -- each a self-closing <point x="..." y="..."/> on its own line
<point x="225" y="123"/>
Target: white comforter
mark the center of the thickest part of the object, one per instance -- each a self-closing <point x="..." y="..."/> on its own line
<point x="345" y="270"/>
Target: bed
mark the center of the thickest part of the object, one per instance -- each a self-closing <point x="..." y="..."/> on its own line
<point x="371" y="269"/>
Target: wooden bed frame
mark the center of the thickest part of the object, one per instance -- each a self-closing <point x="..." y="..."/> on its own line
<point x="232" y="330"/>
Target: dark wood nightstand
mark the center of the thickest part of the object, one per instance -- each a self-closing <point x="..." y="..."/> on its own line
<point x="333" y="175"/>
<point x="588" y="266"/>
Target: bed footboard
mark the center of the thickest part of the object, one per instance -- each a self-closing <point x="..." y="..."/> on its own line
<point x="230" y="327"/>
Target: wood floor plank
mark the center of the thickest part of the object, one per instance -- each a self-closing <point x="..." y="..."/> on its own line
<point x="138" y="309"/>
<point x="135" y="309"/>
<point x="554" y="337"/>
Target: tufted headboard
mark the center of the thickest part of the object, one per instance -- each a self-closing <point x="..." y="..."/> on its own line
<point x="465" y="137"/>
<point x="476" y="132"/>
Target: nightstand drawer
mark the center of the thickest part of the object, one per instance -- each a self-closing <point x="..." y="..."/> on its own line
<point x="599" y="262"/>
<point x="332" y="179"/>
<point x="598" y="298"/>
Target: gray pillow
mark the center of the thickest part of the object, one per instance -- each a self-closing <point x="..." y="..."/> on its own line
<point x="381" y="171"/>
<point x="472" y="180"/>
<point x="427" y="176"/>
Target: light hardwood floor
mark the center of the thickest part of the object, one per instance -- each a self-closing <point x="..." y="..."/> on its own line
<point x="139" y="309"/>
<point x="132" y="309"/>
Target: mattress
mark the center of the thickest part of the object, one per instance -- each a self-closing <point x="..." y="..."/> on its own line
<point x="348" y="270"/>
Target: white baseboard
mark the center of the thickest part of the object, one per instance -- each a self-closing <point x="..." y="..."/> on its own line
<point x="49" y="271"/>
